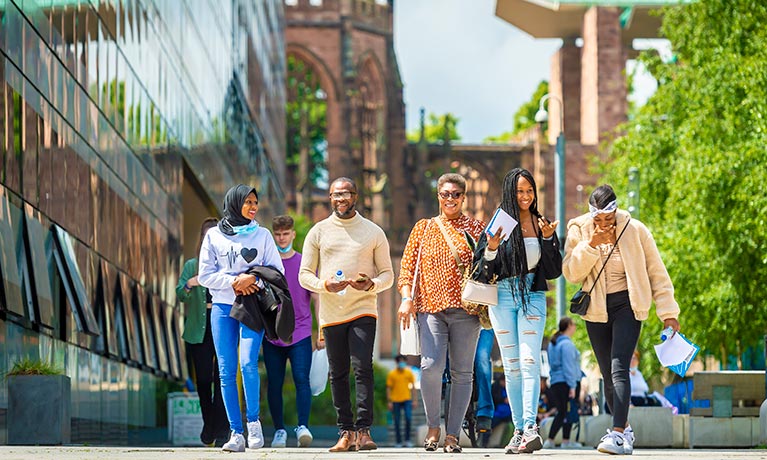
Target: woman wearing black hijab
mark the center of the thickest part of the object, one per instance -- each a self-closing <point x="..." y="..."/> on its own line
<point x="227" y="252"/>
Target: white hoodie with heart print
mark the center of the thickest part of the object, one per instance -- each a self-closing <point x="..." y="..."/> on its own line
<point x="223" y="257"/>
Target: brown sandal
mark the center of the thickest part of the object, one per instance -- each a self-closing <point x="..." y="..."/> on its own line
<point x="451" y="445"/>
<point x="431" y="443"/>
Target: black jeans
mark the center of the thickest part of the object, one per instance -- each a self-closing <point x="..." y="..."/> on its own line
<point x="560" y="393"/>
<point x="614" y="343"/>
<point x="215" y="422"/>
<point x="347" y="343"/>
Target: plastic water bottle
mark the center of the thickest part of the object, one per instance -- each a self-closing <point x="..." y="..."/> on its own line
<point x="666" y="333"/>
<point x="339" y="276"/>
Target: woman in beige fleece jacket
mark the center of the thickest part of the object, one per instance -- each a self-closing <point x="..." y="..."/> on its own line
<point x="634" y="276"/>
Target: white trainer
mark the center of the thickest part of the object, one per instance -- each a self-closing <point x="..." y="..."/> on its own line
<point x="628" y="438"/>
<point x="571" y="445"/>
<point x="612" y="443"/>
<point x="280" y="438"/>
<point x="255" y="435"/>
<point x="304" y="436"/>
<point x="549" y="444"/>
<point x="236" y="443"/>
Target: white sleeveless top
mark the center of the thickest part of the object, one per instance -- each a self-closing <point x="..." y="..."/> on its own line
<point x="533" y="251"/>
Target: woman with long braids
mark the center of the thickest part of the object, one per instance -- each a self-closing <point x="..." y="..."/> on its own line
<point x="521" y="264"/>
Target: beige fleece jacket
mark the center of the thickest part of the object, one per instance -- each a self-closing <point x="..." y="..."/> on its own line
<point x="646" y="275"/>
<point x="354" y="245"/>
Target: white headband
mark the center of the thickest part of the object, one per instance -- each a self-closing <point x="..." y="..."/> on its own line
<point x="611" y="206"/>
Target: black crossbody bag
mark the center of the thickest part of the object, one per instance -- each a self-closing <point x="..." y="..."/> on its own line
<point x="579" y="304"/>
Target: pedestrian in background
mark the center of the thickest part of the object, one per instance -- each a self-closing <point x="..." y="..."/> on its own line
<point x="634" y="276"/>
<point x="521" y="265"/>
<point x="483" y="378"/>
<point x="401" y="397"/>
<point x="228" y="251"/>
<point x="277" y="353"/>
<point x="199" y="344"/>
<point x="350" y="244"/>
<point x="446" y="326"/>
<point x="565" y="375"/>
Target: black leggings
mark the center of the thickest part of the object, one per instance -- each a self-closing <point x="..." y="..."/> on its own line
<point x="614" y="343"/>
<point x="560" y="393"/>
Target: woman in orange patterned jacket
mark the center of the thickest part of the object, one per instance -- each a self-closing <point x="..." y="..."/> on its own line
<point x="446" y="326"/>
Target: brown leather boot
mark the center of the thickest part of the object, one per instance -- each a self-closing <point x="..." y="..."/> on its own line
<point x="347" y="442"/>
<point x="365" y="441"/>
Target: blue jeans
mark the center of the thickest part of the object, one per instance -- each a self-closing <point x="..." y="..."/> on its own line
<point x="483" y="373"/>
<point x="275" y="359"/>
<point x="228" y="333"/>
<point x="519" y="336"/>
<point x="397" y="408"/>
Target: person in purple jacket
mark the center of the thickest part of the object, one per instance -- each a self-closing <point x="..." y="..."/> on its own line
<point x="277" y="353"/>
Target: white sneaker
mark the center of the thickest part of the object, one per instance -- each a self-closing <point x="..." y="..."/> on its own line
<point x="628" y="438"/>
<point x="236" y="443"/>
<point x="255" y="435"/>
<point x="571" y="445"/>
<point x="280" y="438"/>
<point x="408" y="443"/>
<point x="531" y="440"/>
<point x="549" y="444"/>
<point x="612" y="443"/>
<point x="513" y="446"/>
<point x="304" y="436"/>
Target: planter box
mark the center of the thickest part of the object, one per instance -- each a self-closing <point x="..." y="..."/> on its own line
<point x="39" y="409"/>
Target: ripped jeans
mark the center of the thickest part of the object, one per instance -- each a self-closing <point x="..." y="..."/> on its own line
<point x="519" y="338"/>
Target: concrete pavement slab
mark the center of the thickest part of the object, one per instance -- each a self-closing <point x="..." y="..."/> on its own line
<point x="127" y="453"/>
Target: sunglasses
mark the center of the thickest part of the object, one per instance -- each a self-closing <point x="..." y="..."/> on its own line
<point x="454" y="195"/>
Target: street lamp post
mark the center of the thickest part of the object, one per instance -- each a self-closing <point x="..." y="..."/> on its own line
<point x="559" y="166"/>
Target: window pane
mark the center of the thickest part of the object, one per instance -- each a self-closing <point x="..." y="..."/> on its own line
<point x="10" y="237"/>
<point x="40" y="282"/>
<point x="74" y="283"/>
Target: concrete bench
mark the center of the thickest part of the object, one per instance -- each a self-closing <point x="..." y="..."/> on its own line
<point x="653" y="427"/>
<point x="733" y="418"/>
<point x="732" y="393"/>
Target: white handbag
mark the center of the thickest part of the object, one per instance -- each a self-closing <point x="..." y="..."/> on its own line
<point x="479" y="293"/>
<point x="409" y="339"/>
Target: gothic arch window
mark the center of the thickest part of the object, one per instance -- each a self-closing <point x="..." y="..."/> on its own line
<point x="369" y="129"/>
<point x="307" y="144"/>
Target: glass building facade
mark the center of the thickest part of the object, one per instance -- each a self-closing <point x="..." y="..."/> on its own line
<point x="122" y="125"/>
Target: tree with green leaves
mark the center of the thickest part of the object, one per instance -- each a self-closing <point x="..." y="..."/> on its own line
<point x="437" y="129"/>
<point x="699" y="144"/>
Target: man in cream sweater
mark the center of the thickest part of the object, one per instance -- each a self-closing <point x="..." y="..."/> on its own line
<point x="348" y="242"/>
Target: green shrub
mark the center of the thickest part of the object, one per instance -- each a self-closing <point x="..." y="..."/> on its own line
<point x="28" y="366"/>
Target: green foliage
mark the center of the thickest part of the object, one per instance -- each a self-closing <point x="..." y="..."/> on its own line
<point x="437" y="129"/>
<point x="524" y="118"/>
<point x="301" y="224"/>
<point x="699" y="143"/>
<point x="323" y="412"/>
<point x="28" y="366"/>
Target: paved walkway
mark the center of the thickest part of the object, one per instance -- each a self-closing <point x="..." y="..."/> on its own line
<point x="125" y="453"/>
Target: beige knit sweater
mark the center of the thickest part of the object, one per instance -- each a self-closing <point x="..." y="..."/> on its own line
<point x="354" y="245"/>
<point x="646" y="275"/>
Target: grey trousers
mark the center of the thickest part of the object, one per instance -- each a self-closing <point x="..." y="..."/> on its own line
<point x="453" y="332"/>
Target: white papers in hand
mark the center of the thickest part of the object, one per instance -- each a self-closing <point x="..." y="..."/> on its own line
<point x="677" y="353"/>
<point x="501" y="219"/>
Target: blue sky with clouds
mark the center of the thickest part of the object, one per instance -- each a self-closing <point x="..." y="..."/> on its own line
<point x="457" y="56"/>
